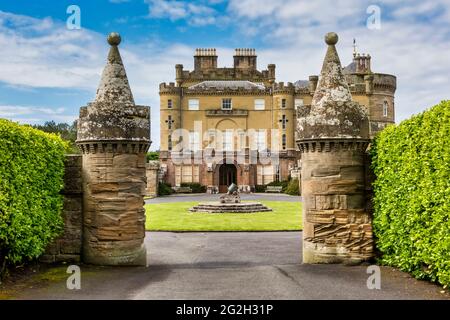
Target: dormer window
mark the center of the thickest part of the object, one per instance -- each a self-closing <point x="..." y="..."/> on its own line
<point x="226" y="104"/>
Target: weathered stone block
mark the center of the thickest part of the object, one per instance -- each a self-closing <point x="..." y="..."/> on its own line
<point x="70" y="246"/>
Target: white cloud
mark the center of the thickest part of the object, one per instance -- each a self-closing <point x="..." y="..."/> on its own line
<point x="413" y="42"/>
<point x="34" y="115"/>
<point x="43" y="53"/>
<point x="194" y="14"/>
<point x="40" y="53"/>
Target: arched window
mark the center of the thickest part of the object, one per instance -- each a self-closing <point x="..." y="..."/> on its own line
<point x="385" y="109"/>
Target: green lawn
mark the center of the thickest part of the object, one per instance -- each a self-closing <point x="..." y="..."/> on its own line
<point x="176" y="217"/>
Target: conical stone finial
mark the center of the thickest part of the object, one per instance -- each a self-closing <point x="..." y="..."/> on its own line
<point x="333" y="114"/>
<point x="332" y="85"/>
<point x="114" y="86"/>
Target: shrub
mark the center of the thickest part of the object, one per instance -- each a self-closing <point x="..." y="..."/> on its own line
<point x="164" y="189"/>
<point x="31" y="178"/>
<point x="411" y="162"/>
<point x="260" y="188"/>
<point x="293" y="187"/>
<point x="152" y="155"/>
<point x="195" y="187"/>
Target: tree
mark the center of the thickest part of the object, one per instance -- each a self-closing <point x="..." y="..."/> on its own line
<point x="66" y="131"/>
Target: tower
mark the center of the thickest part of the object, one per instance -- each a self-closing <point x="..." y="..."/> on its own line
<point x="114" y="137"/>
<point x="333" y="136"/>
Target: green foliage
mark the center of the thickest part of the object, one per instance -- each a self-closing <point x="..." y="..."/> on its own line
<point x="293" y="187"/>
<point x="31" y="178"/>
<point x="152" y="155"/>
<point x="164" y="189"/>
<point x="195" y="187"/>
<point x="411" y="162"/>
<point x="260" y="188"/>
<point x="65" y="131"/>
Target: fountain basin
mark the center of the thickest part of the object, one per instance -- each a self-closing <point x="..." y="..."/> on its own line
<point x="241" y="207"/>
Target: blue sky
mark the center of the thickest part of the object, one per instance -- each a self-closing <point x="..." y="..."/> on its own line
<point x="47" y="71"/>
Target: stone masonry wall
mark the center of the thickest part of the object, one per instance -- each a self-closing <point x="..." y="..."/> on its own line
<point x="152" y="171"/>
<point x="337" y="226"/>
<point x="67" y="247"/>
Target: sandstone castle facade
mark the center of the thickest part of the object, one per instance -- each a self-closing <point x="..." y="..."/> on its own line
<point x="238" y="124"/>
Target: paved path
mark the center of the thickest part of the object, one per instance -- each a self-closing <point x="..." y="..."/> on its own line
<point x="213" y="197"/>
<point x="230" y="265"/>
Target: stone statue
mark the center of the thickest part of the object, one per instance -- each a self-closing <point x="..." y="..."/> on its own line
<point x="232" y="195"/>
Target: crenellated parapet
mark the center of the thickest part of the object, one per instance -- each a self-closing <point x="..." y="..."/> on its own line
<point x="371" y="83"/>
<point x="169" y="89"/>
<point x="282" y="88"/>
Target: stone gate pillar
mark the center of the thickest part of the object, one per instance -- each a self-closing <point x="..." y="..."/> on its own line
<point x="114" y="137"/>
<point x="333" y="136"/>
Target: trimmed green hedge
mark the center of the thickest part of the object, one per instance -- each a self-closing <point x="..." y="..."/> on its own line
<point x="195" y="187"/>
<point x="411" y="162"/>
<point x="164" y="189"/>
<point x="31" y="178"/>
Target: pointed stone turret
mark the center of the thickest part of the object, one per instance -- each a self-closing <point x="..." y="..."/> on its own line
<point x="333" y="113"/>
<point x="114" y="137"/>
<point x="114" y="86"/>
<point x="333" y="135"/>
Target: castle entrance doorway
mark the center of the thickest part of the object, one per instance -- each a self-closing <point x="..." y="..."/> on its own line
<point x="227" y="176"/>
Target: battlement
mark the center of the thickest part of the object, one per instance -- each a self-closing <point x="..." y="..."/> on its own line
<point x="280" y="87"/>
<point x="170" y="88"/>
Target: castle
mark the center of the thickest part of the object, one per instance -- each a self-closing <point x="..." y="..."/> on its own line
<point x="225" y="125"/>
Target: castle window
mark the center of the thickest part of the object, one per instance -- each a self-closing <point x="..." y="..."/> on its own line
<point x="385" y="109"/>
<point x="277" y="173"/>
<point x="194" y="141"/>
<point x="169" y="104"/>
<point x="228" y="141"/>
<point x="284" y="121"/>
<point x="283" y="141"/>
<point x="259" y="104"/>
<point x="283" y="103"/>
<point x="194" y="104"/>
<point x="169" y="122"/>
<point x="260" y="140"/>
<point x="169" y="142"/>
<point x="226" y="104"/>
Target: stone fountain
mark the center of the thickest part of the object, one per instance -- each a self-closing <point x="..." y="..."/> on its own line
<point x="230" y="203"/>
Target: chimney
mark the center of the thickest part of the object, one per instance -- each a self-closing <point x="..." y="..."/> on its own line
<point x="205" y="59"/>
<point x="362" y="62"/>
<point x="245" y="58"/>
